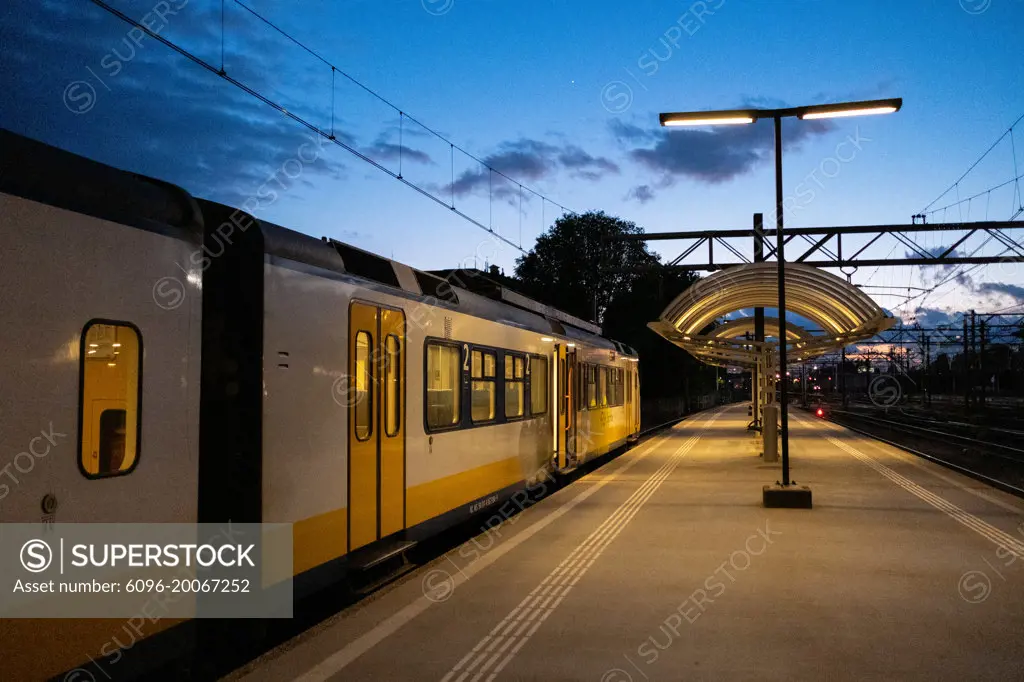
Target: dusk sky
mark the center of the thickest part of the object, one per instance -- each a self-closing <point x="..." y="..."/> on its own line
<point x="563" y="97"/>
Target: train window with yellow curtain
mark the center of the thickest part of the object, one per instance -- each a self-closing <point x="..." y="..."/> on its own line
<point x="364" y="386"/>
<point x="591" y="372"/>
<point x="602" y="386"/>
<point x="444" y="367"/>
<point x="483" y="391"/>
<point x="392" y="385"/>
<point x="515" y="385"/>
<point x="538" y="385"/>
<point x="111" y="381"/>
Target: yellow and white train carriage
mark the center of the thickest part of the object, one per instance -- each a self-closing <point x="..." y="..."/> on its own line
<point x="445" y="400"/>
<point x="207" y="366"/>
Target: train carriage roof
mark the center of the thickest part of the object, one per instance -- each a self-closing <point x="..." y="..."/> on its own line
<point x="468" y="291"/>
<point x="39" y="172"/>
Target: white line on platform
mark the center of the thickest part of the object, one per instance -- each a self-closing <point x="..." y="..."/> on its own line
<point x="494" y="645"/>
<point x="980" y="527"/>
<point x="988" y="494"/>
<point x="936" y="470"/>
<point x="343" y="657"/>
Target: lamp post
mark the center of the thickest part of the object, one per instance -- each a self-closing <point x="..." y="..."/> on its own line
<point x="746" y="116"/>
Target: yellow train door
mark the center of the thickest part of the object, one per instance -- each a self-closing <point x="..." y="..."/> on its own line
<point x="571" y="406"/>
<point x="558" y="401"/>
<point x="376" y="441"/>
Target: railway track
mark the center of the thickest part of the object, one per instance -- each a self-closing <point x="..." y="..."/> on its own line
<point x="971" y="449"/>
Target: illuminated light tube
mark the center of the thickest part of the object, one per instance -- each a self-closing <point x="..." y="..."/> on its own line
<point x="734" y="120"/>
<point x="849" y="112"/>
<point x="546" y="339"/>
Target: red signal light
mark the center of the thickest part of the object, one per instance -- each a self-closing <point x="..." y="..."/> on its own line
<point x="821" y="412"/>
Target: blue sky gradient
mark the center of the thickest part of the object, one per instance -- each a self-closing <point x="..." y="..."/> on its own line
<point x="563" y="96"/>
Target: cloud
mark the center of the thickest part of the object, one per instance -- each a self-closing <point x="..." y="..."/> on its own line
<point x="932" y="275"/>
<point x="640" y="193"/>
<point x="712" y="155"/>
<point x="930" y="318"/>
<point x="529" y="160"/>
<point x="156" y="113"/>
<point x="627" y="132"/>
<point x="1001" y="289"/>
<point x="388" y="151"/>
<point x="572" y="157"/>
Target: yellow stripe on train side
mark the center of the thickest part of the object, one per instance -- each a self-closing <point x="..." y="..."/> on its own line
<point x="319" y="539"/>
<point x="425" y="501"/>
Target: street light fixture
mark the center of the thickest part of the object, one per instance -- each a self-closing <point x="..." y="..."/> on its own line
<point x="786" y="494"/>
<point x="816" y="111"/>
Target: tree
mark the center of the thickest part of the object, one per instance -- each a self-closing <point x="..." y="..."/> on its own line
<point x="576" y="259"/>
<point x="666" y="370"/>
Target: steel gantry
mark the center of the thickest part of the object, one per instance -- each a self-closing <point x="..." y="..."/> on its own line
<point x="826" y="248"/>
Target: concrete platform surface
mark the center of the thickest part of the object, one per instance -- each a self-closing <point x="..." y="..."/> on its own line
<point x="664" y="565"/>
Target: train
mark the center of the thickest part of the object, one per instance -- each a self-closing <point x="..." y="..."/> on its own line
<point x="183" y="361"/>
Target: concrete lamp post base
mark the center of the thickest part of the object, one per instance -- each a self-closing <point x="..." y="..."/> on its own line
<point x="787" y="496"/>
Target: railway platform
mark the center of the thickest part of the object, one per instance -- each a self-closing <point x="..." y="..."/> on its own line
<point x="664" y="565"/>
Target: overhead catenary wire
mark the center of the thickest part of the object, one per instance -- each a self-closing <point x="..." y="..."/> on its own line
<point x="330" y="135"/>
<point x="958" y="203"/>
<point x="962" y="271"/>
<point x="383" y="99"/>
<point x="974" y="165"/>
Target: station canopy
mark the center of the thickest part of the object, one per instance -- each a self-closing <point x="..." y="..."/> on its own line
<point x="842" y="313"/>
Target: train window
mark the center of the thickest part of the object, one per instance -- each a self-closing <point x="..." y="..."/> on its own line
<point x="392" y="385"/>
<point x="602" y="386"/>
<point x="363" y="408"/>
<point x="591" y="372"/>
<point x="612" y="390"/>
<point x="538" y="385"/>
<point x="110" y="371"/>
<point x="629" y="387"/>
<point x="483" y="391"/>
<point x="515" y="377"/>
<point x="442" y="386"/>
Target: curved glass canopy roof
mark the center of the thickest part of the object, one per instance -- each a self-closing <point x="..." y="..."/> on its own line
<point x="842" y="311"/>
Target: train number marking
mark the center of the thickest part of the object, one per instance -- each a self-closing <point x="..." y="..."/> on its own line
<point x="486" y="502"/>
